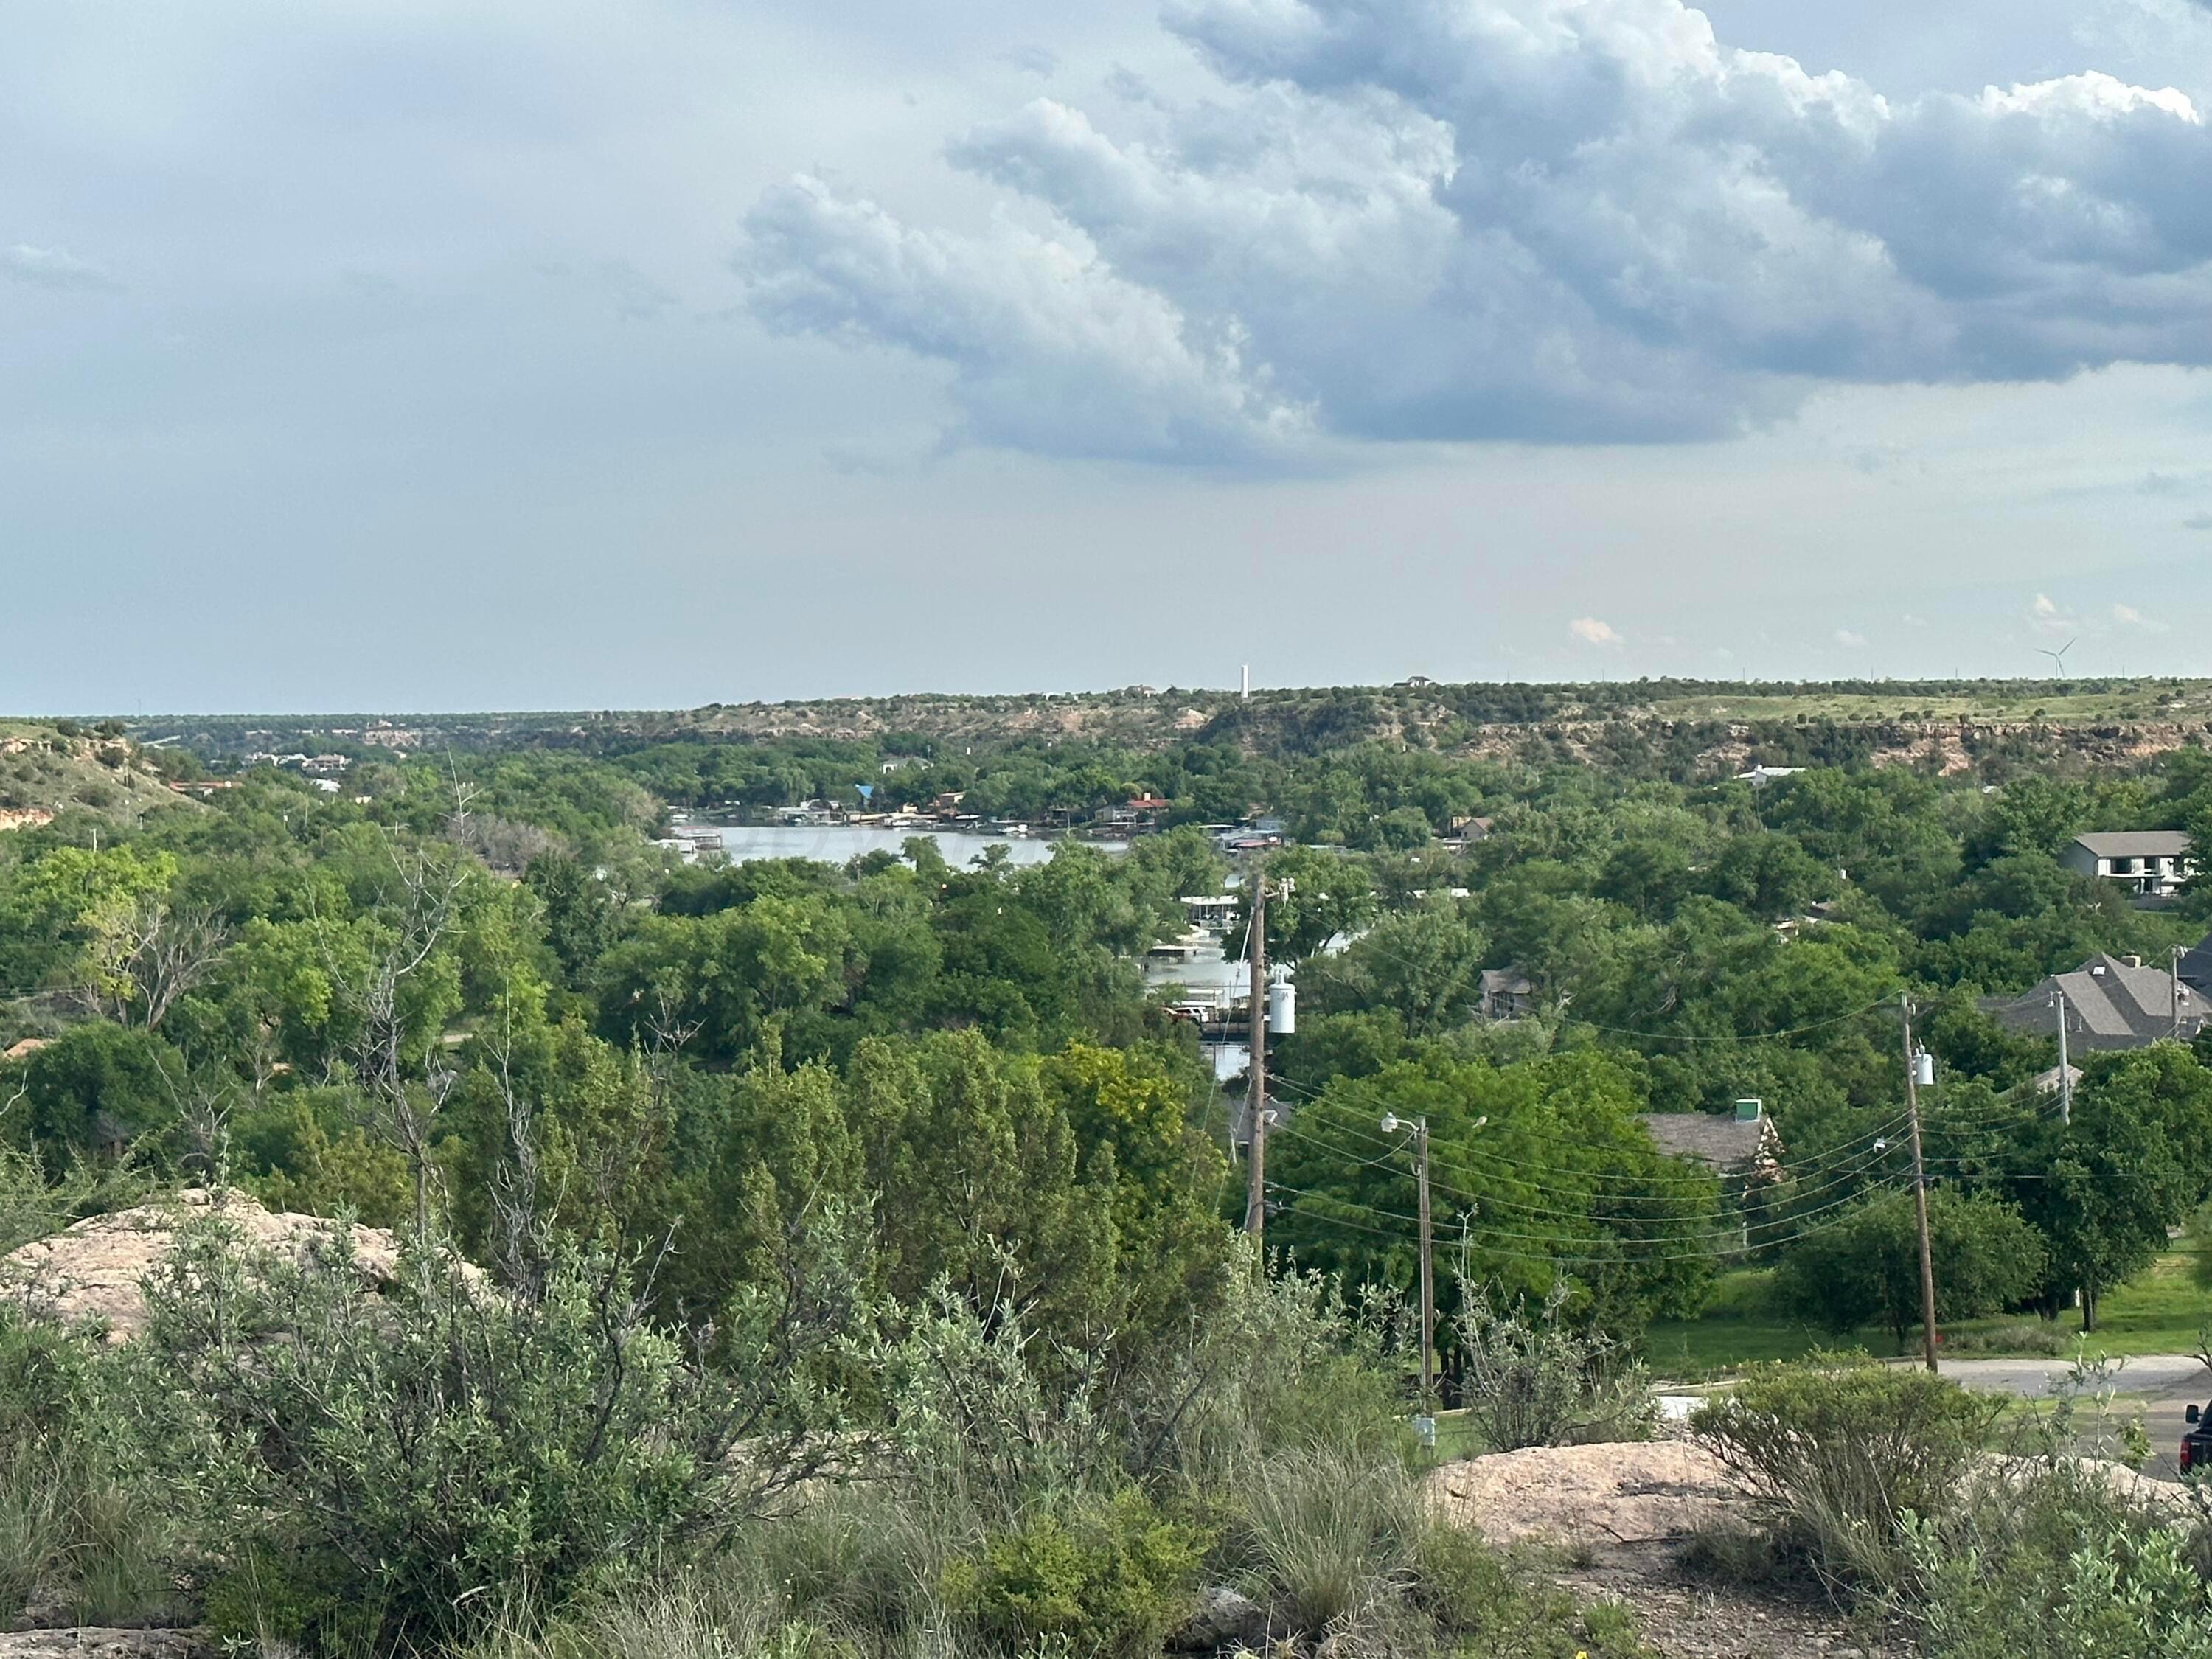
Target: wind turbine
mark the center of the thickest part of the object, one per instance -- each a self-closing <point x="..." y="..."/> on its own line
<point x="2058" y="657"/>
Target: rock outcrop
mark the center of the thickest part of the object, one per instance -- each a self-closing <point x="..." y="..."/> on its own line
<point x="94" y="1271"/>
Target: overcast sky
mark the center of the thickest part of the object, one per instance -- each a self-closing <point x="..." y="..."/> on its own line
<point x="443" y="354"/>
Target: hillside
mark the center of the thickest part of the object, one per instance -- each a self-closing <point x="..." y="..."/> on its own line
<point x="1692" y="727"/>
<point x="48" y="770"/>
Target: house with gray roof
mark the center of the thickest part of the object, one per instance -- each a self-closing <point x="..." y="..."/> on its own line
<point x="2197" y="966"/>
<point x="2109" y="1002"/>
<point x="1741" y="1143"/>
<point x="2147" y="864"/>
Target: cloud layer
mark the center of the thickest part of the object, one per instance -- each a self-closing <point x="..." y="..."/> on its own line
<point x="49" y="267"/>
<point x="1549" y="220"/>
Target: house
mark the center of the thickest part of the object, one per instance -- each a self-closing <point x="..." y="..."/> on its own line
<point x="2109" y="1002"/>
<point x="1505" y="993"/>
<point x="1415" y="683"/>
<point x="1742" y="1144"/>
<point x="2147" y="864"/>
<point x="1759" y="777"/>
<point x="1468" y="829"/>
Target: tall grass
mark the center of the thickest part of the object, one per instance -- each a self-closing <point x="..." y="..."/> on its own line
<point x="1336" y="1538"/>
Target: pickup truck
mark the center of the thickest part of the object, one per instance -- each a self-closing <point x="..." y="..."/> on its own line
<point x="2195" y="1454"/>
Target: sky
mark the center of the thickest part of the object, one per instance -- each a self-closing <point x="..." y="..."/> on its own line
<point x="514" y="354"/>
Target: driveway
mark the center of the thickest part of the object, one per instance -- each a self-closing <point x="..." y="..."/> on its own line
<point x="2160" y="1385"/>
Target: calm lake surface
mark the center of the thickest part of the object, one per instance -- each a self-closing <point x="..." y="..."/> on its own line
<point x="836" y="843"/>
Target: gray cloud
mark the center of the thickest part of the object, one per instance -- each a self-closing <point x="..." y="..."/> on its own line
<point x="2197" y="521"/>
<point x="50" y="267"/>
<point x="1410" y="219"/>
<point x="1031" y="59"/>
<point x="1052" y="350"/>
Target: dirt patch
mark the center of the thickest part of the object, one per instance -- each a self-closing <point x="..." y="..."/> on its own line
<point x="1611" y="1521"/>
<point x="94" y="1271"/>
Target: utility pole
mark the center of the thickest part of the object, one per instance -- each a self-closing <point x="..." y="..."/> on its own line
<point x="2065" y="1072"/>
<point x="1428" y="1274"/>
<point x="1919" y="1187"/>
<point x="2174" y="967"/>
<point x="1391" y="1124"/>
<point x="1255" y="1099"/>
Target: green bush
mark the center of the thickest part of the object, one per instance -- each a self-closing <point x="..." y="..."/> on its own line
<point x="78" y="1533"/>
<point x="2055" y="1565"/>
<point x="1485" y="1607"/>
<point x="1107" y="1579"/>
<point x="1863" y="1267"/>
<point x="1842" y="1450"/>
<point x="2014" y="1336"/>
<point x="1533" y="1380"/>
<point x="436" y="1454"/>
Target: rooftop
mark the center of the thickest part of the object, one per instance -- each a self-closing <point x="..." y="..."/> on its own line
<point x="2109" y="998"/>
<point x="2135" y="843"/>
<point x="1728" y="1144"/>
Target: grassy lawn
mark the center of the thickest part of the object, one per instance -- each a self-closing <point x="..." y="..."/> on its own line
<point x="2158" y="1312"/>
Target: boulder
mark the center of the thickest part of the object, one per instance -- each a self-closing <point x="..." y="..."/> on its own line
<point x="97" y="1643"/>
<point x="1223" y="1621"/>
<point x="93" y="1272"/>
<point x="1638" y="1492"/>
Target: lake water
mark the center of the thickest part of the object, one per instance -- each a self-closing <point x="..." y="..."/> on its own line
<point x="836" y="843"/>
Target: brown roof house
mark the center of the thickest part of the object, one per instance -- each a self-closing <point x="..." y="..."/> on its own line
<point x="1505" y="993"/>
<point x="1741" y="1144"/>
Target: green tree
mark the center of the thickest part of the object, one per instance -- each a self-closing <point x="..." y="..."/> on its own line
<point x="2135" y="1161"/>
<point x="1863" y="1267"/>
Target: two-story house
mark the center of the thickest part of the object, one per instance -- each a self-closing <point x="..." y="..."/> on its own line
<point x="2147" y="864"/>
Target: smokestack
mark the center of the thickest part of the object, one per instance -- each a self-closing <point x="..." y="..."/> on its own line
<point x="1247" y="680"/>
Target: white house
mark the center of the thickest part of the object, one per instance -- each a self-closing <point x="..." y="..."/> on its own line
<point x="2147" y="863"/>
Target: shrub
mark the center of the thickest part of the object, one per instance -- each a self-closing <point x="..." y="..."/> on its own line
<point x="437" y="1455"/>
<point x="1536" y="1381"/>
<point x="1107" y="1579"/>
<point x="2014" y="1336"/>
<point x="2054" y="1565"/>
<point x="1842" y="1449"/>
<point x="75" y="1536"/>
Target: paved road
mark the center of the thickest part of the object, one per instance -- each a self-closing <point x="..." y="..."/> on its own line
<point x="2163" y="1385"/>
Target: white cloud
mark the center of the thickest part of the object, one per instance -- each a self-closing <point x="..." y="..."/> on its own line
<point x="1590" y="631"/>
<point x="1845" y="637"/>
<point x="2042" y="605"/>
<point x="1559" y="220"/>
<point x="50" y="267"/>
<point x="1053" y="350"/>
<point x="2128" y="617"/>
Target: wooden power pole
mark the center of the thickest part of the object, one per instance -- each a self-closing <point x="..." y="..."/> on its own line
<point x="1255" y="1099"/>
<point x="1919" y="1188"/>
<point x="1428" y="1275"/>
